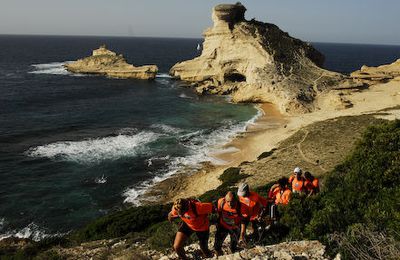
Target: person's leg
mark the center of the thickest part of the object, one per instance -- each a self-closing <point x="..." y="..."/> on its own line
<point x="220" y="236"/>
<point x="203" y="241"/>
<point x="179" y="244"/>
<point x="234" y="235"/>
<point x="181" y="236"/>
<point x="254" y="225"/>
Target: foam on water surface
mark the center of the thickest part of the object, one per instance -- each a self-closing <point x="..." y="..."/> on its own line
<point x="95" y="150"/>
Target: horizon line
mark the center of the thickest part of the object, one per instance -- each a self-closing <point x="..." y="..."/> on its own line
<point x="177" y="37"/>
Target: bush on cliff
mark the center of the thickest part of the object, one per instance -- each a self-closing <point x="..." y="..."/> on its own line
<point x="121" y="223"/>
<point x="364" y="190"/>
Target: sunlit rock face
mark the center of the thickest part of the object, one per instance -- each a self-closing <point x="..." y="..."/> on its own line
<point x="108" y="63"/>
<point x="256" y="62"/>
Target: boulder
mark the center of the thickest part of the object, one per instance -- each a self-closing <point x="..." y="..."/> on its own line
<point x="108" y="63"/>
<point x="256" y="62"/>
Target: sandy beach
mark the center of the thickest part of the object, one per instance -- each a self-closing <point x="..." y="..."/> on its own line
<point x="272" y="128"/>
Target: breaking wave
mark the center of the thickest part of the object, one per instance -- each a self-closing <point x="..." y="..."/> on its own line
<point x="96" y="150"/>
<point x="201" y="145"/>
<point x="31" y="231"/>
<point x="53" y="68"/>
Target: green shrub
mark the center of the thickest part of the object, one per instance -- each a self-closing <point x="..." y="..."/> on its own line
<point x="365" y="189"/>
<point x="266" y="154"/>
<point x="121" y="223"/>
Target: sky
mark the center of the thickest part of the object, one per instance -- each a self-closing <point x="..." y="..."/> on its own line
<point x="346" y="21"/>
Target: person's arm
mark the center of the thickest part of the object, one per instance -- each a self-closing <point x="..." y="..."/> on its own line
<point x="172" y="215"/>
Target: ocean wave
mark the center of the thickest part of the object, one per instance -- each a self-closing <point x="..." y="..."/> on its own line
<point x="100" y="180"/>
<point x="31" y="231"/>
<point x="183" y="95"/>
<point x="53" y="68"/>
<point x="202" y="145"/>
<point x="94" y="151"/>
<point x="167" y="129"/>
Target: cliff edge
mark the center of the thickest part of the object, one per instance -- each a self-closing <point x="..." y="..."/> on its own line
<point x="257" y="62"/>
<point x="106" y="62"/>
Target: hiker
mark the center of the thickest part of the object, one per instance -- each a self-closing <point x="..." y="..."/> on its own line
<point x="311" y="184"/>
<point x="282" y="193"/>
<point x="229" y="219"/>
<point x="194" y="215"/>
<point x="252" y="206"/>
<point x="297" y="181"/>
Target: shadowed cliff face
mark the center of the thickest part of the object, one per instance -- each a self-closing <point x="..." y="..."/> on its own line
<point x="256" y="62"/>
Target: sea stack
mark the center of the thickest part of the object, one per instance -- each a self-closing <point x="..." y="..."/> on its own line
<point x="109" y="63"/>
<point x="257" y="62"/>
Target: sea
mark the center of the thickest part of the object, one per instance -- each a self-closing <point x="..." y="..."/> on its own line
<point x="75" y="147"/>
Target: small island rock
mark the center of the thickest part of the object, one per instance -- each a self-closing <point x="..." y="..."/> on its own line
<point x="106" y="62"/>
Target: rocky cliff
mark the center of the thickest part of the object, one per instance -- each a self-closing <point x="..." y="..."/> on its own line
<point x="256" y="62"/>
<point x="106" y="62"/>
<point x="376" y="75"/>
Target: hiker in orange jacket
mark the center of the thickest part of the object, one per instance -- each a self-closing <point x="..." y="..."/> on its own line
<point x="311" y="184"/>
<point x="282" y="193"/>
<point x="251" y="207"/>
<point x="194" y="215"/>
<point x="297" y="181"/>
<point x="229" y="219"/>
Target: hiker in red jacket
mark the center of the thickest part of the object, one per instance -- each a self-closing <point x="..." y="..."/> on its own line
<point x="311" y="184"/>
<point x="297" y="181"/>
<point x="194" y="215"/>
<point x="251" y="207"/>
<point x="229" y="219"/>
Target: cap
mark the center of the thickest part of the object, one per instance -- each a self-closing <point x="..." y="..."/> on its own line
<point x="243" y="189"/>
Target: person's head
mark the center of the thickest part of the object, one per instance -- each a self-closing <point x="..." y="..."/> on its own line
<point x="243" y="190"/>
<point x="181" y="206"/>
<point x="230" y="199"/>
<point x="298" y="172"/>
<point x="308" y="176"/>
<point x="283" y="182"/>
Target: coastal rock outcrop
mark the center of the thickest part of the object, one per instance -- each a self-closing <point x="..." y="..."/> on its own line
<point x="376" y="75"/>
<point x="256" y="62"/>
<point x="106" y="62"/>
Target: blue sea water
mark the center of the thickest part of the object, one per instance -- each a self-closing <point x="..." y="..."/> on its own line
<point x="74" y="147"/>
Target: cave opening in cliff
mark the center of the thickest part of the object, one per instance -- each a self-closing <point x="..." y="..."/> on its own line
<point x="234" y="77"/>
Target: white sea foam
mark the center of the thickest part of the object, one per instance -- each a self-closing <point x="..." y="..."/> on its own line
<point x="100" y="180"/>
<point x="163" y="75"/>
<point x="201" y="146"/>
<point x="93" y="151"/>
<point x="167" y="129"/>
<point x="2" y="222"/>
<point x="53" y="68"/>
<point x="183" y="95"/>
<point x="31" y="231"/>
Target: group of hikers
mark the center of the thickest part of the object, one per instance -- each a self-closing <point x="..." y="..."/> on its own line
<point x="236" y="212"/>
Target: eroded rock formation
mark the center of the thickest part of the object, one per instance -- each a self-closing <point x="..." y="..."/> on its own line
<point x="256" y="62"/>
<point x="375" y="75"/>
<point x="106" y="62"/>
